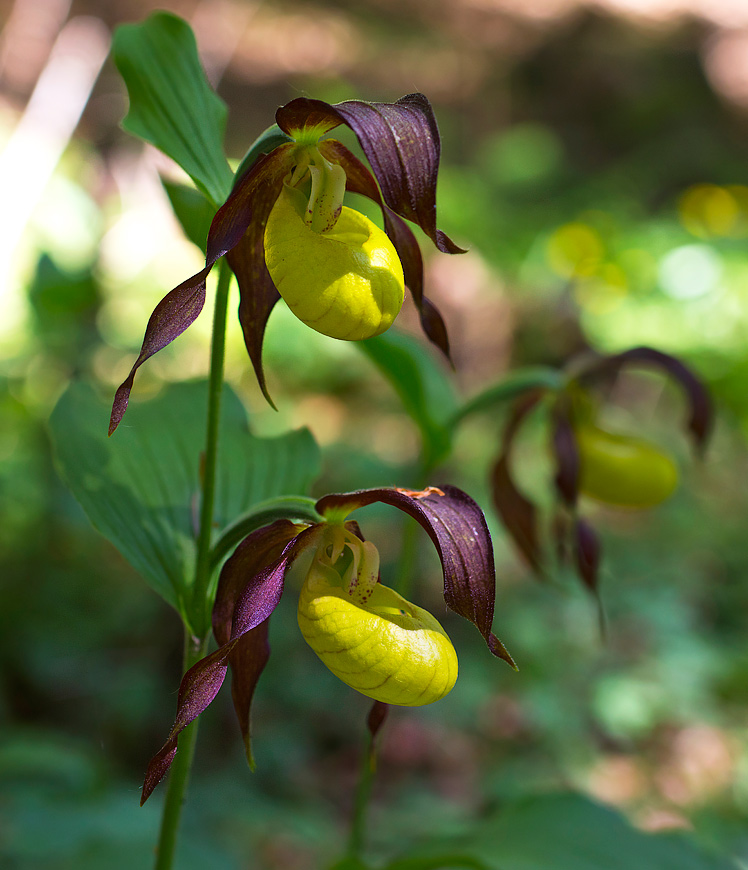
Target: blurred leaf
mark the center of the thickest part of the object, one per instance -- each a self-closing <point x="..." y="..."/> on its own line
<point x="571" y="832"/>
<point x="193" y="211"/>
<point x="510" y="387"/>
<point x="420" y="381"/>
<point x="140" y="488"/>
<point x="447" y="861"/>
<point x="172" y="105"/>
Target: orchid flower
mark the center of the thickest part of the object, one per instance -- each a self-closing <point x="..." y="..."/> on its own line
<point x="366" y="633"/>
<point x="613" y="469"/>
<point x="286" y="232"/>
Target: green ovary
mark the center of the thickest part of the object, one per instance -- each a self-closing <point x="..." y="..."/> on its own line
<point x="623" y="471"/>
<point x="346" y="282"/>
<point x="384" y="647"/>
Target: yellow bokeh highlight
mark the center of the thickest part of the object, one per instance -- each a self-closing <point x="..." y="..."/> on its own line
<point x="604" y="291"/>
<point x="575" y="250"/>
<point x="709" y="210"/>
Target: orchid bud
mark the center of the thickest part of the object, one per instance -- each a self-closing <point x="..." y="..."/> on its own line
<point x="346" y="281"/>
<point x="370" y="637"/>
<point x="622" y="470"/>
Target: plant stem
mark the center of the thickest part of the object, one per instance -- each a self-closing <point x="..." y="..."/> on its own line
<point x="194" y="650"/>
<point x="201" y="606"/>
<point x="361" y="801"/>
<point x="197" y="633"/>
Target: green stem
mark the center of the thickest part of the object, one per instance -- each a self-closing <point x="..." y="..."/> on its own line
<point x="194" y="650"/>
<point x="201" y="605"/>
<point x="361" y="802"/>
<point x="197" y="633"/>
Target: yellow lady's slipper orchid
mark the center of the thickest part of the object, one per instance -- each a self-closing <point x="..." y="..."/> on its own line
<point x="622" y="470"/>
<point x="346" y="282"/>
<point x="371" y="638"/>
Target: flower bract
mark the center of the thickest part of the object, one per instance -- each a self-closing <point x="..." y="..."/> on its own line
<point x="367" y="634"/>
<point x="285" y="231"/>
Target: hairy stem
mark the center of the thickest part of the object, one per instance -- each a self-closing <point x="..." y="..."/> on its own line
<point x="194" y="650"/>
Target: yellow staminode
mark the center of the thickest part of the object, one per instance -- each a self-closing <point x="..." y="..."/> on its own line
<point x="346" y="282"/>
<point x="375" y="641"/>
<point x="623" y="471"/>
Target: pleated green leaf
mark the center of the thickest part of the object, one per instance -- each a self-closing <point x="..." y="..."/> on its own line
<point x="140" y="488"/>
<point x="172" y="105"/>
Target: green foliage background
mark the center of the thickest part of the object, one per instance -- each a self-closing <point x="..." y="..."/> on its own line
<point x="565" y="166"/>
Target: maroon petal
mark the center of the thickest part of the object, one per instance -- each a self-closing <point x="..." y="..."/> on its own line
<point x="401" y="142"/>
<point x="262" y="591"/>
<point x="254" y="596"/>
<point x="247" y="660"/>
<point x="250" y="201"/>
<point x="458" y="529"/>
<point x="701" y="410"/>
<point x="566" y="453"/>
<point x="360" y="180"/>
<point x="376" y="718"/>
<point x="587" y="553"/>
<point x="261" y="548"/>
<point x="173" y="314"/>
<point x="198" y="688"/>
<point x="517" y="512"/>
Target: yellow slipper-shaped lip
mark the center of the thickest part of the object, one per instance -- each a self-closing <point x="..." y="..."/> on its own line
<point x="386" y="648"/>
<point x="346" y="282"/>
<point x="623" y="471"/>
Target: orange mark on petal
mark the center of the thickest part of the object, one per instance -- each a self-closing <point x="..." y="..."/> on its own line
<point x="422" y="493"/>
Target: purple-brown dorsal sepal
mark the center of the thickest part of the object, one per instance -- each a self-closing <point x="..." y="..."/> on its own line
<point x="458" y="529"/>
<point x="197" y="690"/>
<point x="359" y="180"/>
<point x="259" y="549"/>
<point x="401" y="142"/>
<point x="566" y="454"/>
<point x="252" y="199"/>
<point x="700" y="420"/>
<point x="518" y="514"/>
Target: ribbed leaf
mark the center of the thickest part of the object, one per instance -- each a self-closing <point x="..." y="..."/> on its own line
<point x="141" y="488"/>
<point x="172" y="106"/>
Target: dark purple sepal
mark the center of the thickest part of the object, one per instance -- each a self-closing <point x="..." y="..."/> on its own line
<point x="257" y="298"/>
<point x="376" y="718"/>
<point x="259" y="549"/>
<point x="173" y="314"/>
<point x="458" y="529"/>
<point x="401" y="142"/>
<point x="197" y="690"/>
<point x="566" y="454"/>
<point x="250" y="654"/>
<point x="587" y="553"/>
<point x="262" y="591"/>
<point x="249" y="202"/>
<point x="247" y="661"/>
<point x="359" y="180"/>
<point x="254" y="600"/>
<point x="701" y="410"/>
<point x="518" y="514"/>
